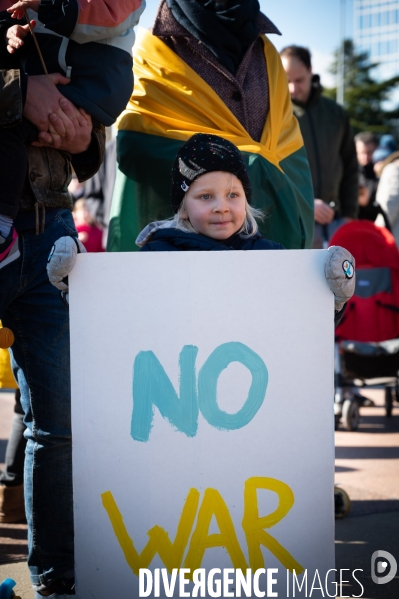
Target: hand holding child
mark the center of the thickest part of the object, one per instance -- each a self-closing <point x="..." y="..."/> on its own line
<point x="44" y="99"/>
<point x="82" y="126"/>
<point x="18" y="9"/>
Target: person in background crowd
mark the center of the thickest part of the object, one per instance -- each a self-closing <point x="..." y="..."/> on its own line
<point x="89" y="233"/>
<point x="224" y="77"/>
<point x="99" y="189"/>
<point x="388" y="187"/>
<point x="76" y="188"/>
<point x="366" y="143"/>
<point x="329" y="145"/>
<point x="386" y="147"/>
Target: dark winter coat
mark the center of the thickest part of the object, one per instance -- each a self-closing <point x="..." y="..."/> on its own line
<point x="173" y="240"/>
<point x="331" y="151"/>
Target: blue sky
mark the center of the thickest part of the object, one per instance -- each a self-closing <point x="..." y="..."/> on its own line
<point x="311" y="23"/>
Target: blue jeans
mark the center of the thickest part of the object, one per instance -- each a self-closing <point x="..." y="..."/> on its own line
<point x="33" y="309"/>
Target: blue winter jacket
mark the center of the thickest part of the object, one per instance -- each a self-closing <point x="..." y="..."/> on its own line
<point x="172" y="240"/>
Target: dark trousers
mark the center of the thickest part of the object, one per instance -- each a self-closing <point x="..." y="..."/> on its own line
<point x="36" y="313"/>
<point x="13" y="164"/>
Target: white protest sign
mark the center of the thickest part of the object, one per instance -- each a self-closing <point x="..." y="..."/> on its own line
<point x="202" y="406"/>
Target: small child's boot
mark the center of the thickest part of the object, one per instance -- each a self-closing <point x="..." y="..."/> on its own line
<point x="9" y="250"/>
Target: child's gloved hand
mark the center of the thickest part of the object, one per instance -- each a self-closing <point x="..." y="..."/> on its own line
<point x="340" y="274"/>
<point x="62" y="260"/>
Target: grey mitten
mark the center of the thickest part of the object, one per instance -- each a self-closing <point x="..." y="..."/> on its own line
<point x="340" y="274"/>
<point x="62" y="260"/>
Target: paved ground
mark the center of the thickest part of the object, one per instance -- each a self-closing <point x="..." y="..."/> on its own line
<point x="367" y="467"/>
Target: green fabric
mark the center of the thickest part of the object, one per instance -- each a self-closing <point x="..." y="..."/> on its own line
<point x="142" y="189"/>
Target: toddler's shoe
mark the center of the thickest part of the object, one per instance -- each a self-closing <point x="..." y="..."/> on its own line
<point x="9" y="250"/>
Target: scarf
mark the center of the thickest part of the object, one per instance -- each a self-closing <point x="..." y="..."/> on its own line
<point x="227" y="28"/>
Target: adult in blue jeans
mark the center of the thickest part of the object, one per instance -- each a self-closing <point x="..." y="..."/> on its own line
<point x="38" y="315"/>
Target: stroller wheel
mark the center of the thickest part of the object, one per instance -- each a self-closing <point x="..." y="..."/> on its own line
<point x="388" y="401"/>
<point x="350" y="415"/>
<point x="342" y="503"/>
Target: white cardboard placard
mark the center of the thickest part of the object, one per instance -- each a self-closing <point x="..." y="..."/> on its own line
<point x="134" y="471"/>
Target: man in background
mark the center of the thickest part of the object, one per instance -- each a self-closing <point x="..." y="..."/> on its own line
<point x="366" y="144"/>
<point x="329" y="145"/>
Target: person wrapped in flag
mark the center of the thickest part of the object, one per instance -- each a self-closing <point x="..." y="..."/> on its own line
<point x="90" y="45"/>
<point x="209" y="68"/>
<point x="211" y="197"/>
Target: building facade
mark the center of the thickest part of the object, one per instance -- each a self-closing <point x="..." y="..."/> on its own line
<point x="376" y="31"/>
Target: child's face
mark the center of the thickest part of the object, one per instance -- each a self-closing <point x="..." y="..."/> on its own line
<point x="215" y="205"/>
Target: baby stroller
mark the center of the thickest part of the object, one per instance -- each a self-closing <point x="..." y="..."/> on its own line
<point x="367" y="339"/>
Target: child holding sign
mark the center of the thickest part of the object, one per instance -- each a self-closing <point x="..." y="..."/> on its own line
<point x="211" y="196"/>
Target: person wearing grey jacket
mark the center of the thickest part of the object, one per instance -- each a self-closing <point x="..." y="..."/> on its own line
<point x="329" y="144"/>
<point x="37" y="315"/>
<point x="388" y="194"/>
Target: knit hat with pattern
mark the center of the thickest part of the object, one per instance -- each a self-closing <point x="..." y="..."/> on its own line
<point x="201" y="154"/>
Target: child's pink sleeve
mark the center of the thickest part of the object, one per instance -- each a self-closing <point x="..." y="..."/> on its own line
<point x="104" y="19"/>
<point x="90" y="20"/>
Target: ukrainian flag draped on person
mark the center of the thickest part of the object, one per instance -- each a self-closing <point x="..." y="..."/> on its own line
<point x="170" y="103"/>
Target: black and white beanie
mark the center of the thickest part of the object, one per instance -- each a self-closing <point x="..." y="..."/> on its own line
<point x="201" y="154"/>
